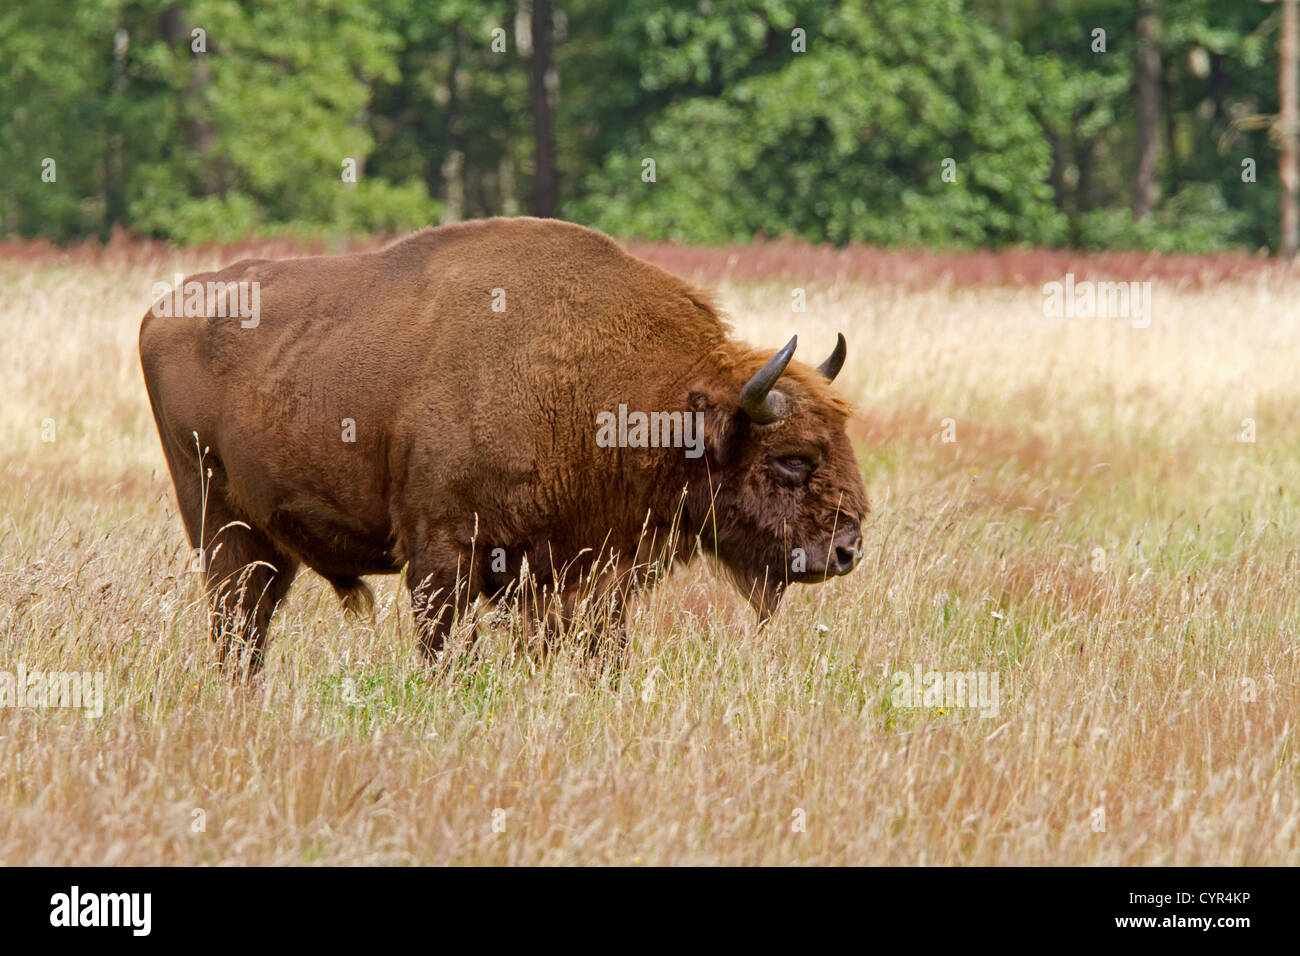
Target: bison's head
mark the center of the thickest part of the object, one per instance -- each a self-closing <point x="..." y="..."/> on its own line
<point x="778" y="496"/>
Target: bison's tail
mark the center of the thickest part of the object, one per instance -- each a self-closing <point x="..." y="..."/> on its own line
<point x="356" y="596"/>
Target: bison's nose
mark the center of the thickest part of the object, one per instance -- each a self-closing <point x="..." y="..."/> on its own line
<point x="846" y="551"/>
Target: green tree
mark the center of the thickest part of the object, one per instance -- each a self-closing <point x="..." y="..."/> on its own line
<point x="242" y="127"/>
<point x="849" y="140"/>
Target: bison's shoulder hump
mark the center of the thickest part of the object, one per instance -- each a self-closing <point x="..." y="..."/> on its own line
<point x="505" y="232"/>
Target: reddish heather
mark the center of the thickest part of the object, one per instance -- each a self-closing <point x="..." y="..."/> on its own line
<point x="763" y="260"/>
<point x="921" y="269"/>
<point x="129" y="251"/>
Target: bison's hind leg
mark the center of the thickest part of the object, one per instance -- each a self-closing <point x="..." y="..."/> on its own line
<point x="247" y="576"/>
<point x="245" y="573"/>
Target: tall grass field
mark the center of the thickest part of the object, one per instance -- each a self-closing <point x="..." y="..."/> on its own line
<point x="1081" y="558"/>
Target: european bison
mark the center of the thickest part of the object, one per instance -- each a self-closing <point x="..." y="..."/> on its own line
<point x="478" y="396"/>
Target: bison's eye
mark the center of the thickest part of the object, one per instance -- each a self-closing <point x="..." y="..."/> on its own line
<point x="793" y="468"/>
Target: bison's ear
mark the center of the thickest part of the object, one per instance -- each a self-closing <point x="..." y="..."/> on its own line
<point x="720" y="423"/>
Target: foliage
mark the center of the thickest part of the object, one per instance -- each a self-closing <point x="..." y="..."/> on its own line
<point x="830" y="121"/>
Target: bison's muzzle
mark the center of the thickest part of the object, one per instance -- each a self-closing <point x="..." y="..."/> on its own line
<point x="832" y="558"/>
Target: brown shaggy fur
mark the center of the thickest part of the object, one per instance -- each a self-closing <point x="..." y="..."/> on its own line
<point x="475" y="431"/>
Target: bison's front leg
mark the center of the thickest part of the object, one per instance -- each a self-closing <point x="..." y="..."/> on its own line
<point x="589" y="607"/>
<point x="548" y="619"/>
<point x="442" y="587"/>
<point x="436" y="604"/>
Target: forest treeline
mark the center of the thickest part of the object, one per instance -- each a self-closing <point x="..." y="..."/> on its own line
<point x="1084" y="123"/>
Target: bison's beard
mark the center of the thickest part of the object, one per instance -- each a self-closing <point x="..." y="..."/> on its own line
<point x="762" y="589"/>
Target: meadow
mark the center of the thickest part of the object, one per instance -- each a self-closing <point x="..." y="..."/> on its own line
<point x="1099" y="518"/>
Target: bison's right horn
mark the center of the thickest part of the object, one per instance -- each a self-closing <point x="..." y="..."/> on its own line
<point x="757" y="398"/>
<point x="831" y="367"/>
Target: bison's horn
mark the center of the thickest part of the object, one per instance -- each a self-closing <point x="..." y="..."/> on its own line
<point x="831" y="367"/>
<point x="762" y="407"/>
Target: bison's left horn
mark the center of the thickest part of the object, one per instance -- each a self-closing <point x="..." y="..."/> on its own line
<point x="831" y="367"/>
<point x="757" y="398"/>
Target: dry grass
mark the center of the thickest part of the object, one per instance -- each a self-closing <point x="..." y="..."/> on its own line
<point x="1155" y="679"/>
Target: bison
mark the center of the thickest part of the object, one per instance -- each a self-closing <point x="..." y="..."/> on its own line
<point x="470" y="404"/>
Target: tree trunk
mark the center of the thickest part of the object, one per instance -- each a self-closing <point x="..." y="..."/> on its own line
<point x="543" y="197"/>
<point x="1148" y="110"/>
<point x="213" y="171"/>
<point x="1288" y="168"/>
<point x="114" y="141"/>
<point x="1171" y="131"/>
